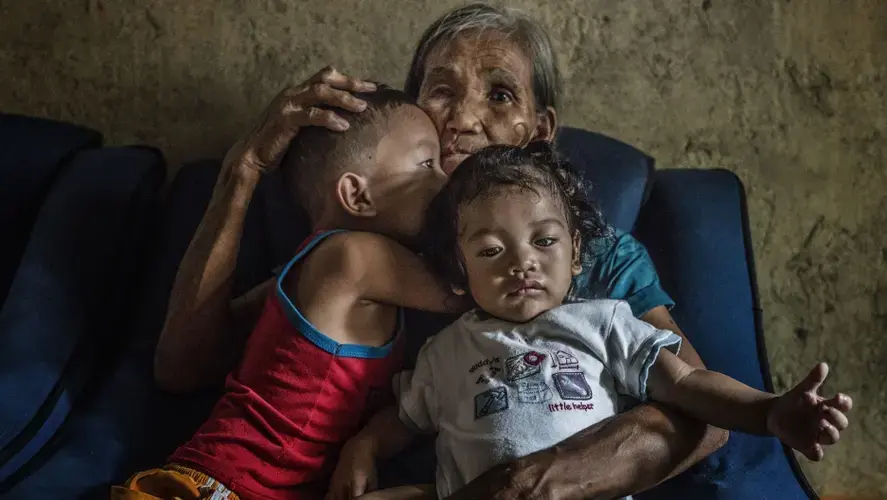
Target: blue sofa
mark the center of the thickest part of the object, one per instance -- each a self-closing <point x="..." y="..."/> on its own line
<point x="73" y="218"/>
<point x="693" y="223"/>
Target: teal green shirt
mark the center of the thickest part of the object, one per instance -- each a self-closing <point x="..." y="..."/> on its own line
<point x="620" y="268"/>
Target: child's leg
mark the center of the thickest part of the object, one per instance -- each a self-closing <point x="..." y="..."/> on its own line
<point x="412" y="492"/>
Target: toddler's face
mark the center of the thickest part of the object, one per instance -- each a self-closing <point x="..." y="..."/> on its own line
<point x="518" y="252"/>
<point x="407" y="171"/>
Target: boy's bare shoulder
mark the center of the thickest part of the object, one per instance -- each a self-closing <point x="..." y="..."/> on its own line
<point x="360" y="239"/>
<point x="348" y="257"/>
<point x="356" y="248"/>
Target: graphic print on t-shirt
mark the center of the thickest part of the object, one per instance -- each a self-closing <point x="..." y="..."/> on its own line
<point x="490" y="402"/>
<point x="572" y="385"/>
<point x="533" y="392"/>
<point x="527" y="376"/>
<point x="523" y="365"/>
<point x="484" y="362"/>
<point x="553" y="360"/>
<point x="566" y="361"/>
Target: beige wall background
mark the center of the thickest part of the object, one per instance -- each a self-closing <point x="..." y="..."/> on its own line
<point x="789" y="94"/>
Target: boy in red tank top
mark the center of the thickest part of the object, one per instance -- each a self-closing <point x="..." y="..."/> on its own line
<point x="321" y="359"/>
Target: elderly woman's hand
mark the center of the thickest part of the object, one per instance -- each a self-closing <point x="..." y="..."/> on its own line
<point x="527" y="478"/>
<point x="264" y="146"/>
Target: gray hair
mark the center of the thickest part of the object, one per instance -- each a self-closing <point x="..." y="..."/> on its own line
<point x="515" y="24"/>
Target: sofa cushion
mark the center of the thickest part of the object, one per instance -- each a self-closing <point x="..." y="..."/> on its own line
<point x="619" y="174"/>
<point x="126" y="423"/>
<point x="32" y="150"/>
<point x="71" y="292"/>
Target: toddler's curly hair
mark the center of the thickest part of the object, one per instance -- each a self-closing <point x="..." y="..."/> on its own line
<point x="537" y="168"/>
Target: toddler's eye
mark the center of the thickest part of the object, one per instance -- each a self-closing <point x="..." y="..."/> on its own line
<point x="489" y="252"/>
<point x="429" y="163"/>
<point x="545" y="242"/>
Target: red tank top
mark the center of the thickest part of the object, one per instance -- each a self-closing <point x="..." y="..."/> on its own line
<point x="295" y="399"/>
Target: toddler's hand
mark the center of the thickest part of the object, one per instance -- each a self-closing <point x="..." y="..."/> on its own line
<point x="355" y="473"/>
<point x="806" y="421"/>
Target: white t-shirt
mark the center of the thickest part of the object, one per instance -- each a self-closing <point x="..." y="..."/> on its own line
<point x="496" y="391"/>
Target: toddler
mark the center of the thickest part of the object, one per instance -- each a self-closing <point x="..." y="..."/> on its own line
<point x="530" y="366"/>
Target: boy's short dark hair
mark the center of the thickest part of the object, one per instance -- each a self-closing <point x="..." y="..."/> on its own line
<point x="317" y="156"/>
<point x="537" y="168"/>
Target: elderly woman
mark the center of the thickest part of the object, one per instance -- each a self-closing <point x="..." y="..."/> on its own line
<point x="485" y="76"/>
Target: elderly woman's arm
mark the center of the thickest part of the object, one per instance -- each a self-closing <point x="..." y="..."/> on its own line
<point x="192" y="350"/>
<point x="200" y="341"/>
<point x="623" y="455"/>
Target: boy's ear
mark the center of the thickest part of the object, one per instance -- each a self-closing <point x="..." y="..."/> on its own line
<point x="576" y="267"/>
<point x="546" y="127"/>
<point x="353" y="192"/>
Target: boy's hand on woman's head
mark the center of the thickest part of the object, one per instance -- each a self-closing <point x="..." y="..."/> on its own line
<point x="806" y="421"/>
<point x="262" y="149"/>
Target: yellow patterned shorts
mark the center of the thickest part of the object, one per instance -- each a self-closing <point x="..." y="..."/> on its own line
<point x="173" y="482"/>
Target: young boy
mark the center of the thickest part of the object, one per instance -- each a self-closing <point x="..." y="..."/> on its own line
<point x="321" y="358"/>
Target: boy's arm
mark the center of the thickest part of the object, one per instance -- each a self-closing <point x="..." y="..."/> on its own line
<point x="801" y="418"/>
<point x="388" y="272"/>
<point x="355" y="474"/>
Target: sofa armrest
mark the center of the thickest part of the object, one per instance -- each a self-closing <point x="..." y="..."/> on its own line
<point x="71" y="290"/>
<point x="695" y="227"/>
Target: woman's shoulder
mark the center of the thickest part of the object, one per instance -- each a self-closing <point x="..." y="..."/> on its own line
<point x="619" y="267"/>
<point x="616" y="243"/>
<point x="608" y="258"/>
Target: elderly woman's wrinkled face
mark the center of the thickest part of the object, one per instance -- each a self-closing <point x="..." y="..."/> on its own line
<point x="477" y="89"/>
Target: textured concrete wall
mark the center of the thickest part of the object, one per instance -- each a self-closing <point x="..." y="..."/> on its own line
<point x="789" y="94"/>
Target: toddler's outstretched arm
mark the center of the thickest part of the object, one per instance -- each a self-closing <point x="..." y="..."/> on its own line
<point x="801" y="418"/>
<point x="384" y="436"/>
